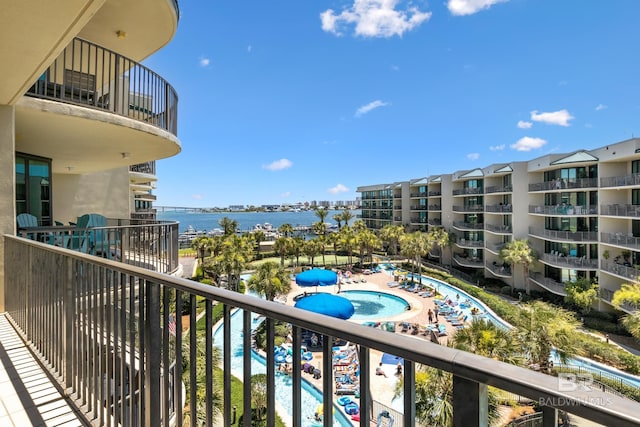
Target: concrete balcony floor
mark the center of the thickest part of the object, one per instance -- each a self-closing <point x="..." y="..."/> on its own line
<point x="28" y="397"/>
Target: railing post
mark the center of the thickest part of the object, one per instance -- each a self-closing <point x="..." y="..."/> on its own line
<point x="68" y="324"/>
<point x="549" y="416"/>
<point x="152" y="340"/>
<point x="470" y="403"/>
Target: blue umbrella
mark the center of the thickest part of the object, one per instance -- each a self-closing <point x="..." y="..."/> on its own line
<point x="328" y="304"/>
<point x="317" y="277"/>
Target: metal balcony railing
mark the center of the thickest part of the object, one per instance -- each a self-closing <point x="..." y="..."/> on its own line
<point x="573" y="262"/>
<point x="563" y="210"/>
<point x="499" y="208"/>
<point x="620" y="181"/>
<point x="149" y="244"/>
<point x="501" y="228"/>
<point x="564" y="184"/>
<point x="104" y="330"/>
<point x="148" y="168"/>
<point x="461" y="225"/>
<point x="465" y="191"/>
<point x="620" y="210"/>
<point x="468" y="208"/>
<point x="627" y="240"/>
<point x="565" y="236"/>
<point x="498" y="189"/>
<point x="434" y="193"/>
<point x="89" y="75"/>
<point x="548" y="283"/>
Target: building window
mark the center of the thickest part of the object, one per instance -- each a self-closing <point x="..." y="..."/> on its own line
<point x="33" y="187"/>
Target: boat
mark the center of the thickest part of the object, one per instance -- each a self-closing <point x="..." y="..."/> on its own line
<point x="186" y="237"/>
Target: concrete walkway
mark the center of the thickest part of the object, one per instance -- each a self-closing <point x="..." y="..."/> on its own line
<point x="28" y="397"/>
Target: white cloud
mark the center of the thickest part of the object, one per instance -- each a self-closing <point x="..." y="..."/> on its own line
<point x="560" y="118"/>
<point x="524" y="125"/>
<point x="374" y="18"/>
<point x="527" y="144"/>
<point x="369" y="107"/>
<point x="204" y="62"/>
<point x="473" y="156"/>
<point x="469" y="7"/>
<point x="601" y="107"/>
<point x="497" y="147"/>
<point x="338" y="189"/>
<point x="278" y="165"/>
<point x="196" y="196"/>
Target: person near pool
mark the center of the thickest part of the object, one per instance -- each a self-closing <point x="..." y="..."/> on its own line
<point x="430" y="315"/>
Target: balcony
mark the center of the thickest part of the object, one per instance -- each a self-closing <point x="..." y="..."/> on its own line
<point x="419" y="208"/>
<point x="628" y="272"/>
<point x="148" y="168"/>
<point x="461" y="225"/>
<point x="466" y="243"/>
<point x="418" y="220"/>
<point x="498" y="189"/>
<point x="564" y="184"/>
<point x="498" y="270"/>
<point x="434" y="193"/>
<point x="93" y="309"/>
<point x="631" y="211"/>
<point x="468" y="208"/>
<point x="563" y="210"/>
<point x="570" y="262"/>
<point x="625" y="240"/>
<point x="114" y="84"/>
<point x="620" y="181"/>
<point x="467" y="191"/>
<point x="564" y="236"/>
<point x="418" y="194"/>
<point x="471" y="262"/>
<point x="499" y="208"/>
<point x="498" y="229"/>
<point x="434" y="222"/>
<point x="435" y="207"/>
<point x="607" y="295"/>
<point x="149" y="244"/>
<point x="548" y="283"/>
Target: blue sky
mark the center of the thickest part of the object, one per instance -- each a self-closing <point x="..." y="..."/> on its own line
<point x="289" y="101"/>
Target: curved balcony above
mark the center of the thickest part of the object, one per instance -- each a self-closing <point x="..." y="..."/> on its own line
<point x="626" y="272"/>
<point x="499" y="208"/>
<point x="495" y="247"/>
<point x="498" y="189"/>
<point x="498" y="229"/>
<point x="461" y="225"/>
<point x="472" y="244"/>
<point x="561" y="210"/>
<point x="571" y="262"/>
<point x="468" y="262"/>
<point x="498" y="269"/>
<point x="418" y="208"/>
<point x="468" y="191"/>
<point x="419" y="194"/>
<point x="564" y="236"/>
<point x="468" y="208"/>
<point x="94" y="109"/>
<point x="607" y="296"/>
<point x="548" y="283"/>
<point x="564" y="184"/>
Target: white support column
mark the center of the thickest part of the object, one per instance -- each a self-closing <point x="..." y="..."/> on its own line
<point x="7" y="184"/>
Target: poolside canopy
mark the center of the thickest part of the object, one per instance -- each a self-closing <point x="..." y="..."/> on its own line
<point x="327" y="304"/>
<point x="317" y="277"/>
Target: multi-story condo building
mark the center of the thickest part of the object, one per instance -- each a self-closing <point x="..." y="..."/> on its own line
<point x="580" y="212"/>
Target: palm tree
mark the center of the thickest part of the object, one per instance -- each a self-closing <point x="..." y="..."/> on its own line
<point x="297" y="247"/>
<point x="201" y="245"/>
<point x="416" y="246"/>
<point x="440" y="238"/>
<point x="270" y="280"/>
<point x="367" y="241"/>
<point x="542" y="327"/>
<point x="258" y="237"/>
<point x="490" y="340"/>
<point x="629" y="294"/>
<point x="286" y="230"/>
<point x="281" y="246"/>
<point x="235" y="256"/>
<point x="334" y="240"/>
<point x="346" y="215"/>
<point x="347" y="241"/>
<point x="338" y="218"/>
<point x="312" y="248"/>
<point x="519" y="252"/>
<point x="229" y="226"/>
<point x="390" y="234"/>
<point x="321" y="213"/>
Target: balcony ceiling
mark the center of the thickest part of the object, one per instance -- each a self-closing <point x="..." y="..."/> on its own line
<point x="34" y="32"/>
<point x="81" y="140"/>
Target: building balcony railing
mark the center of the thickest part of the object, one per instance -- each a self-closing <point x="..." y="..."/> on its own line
<point x="548" y="283"/>
<point x="435" y="207"/>
<point x="89" y="75"/>
<point x="461" y="225"/>
<point x="499" y="208"/>
<point x="434" y="222"/>
<point x="147" y="197"/>
<point x="500" y="229"/>
<point x="627" y="240"/>
<point x="627" y="210"/>
<point x="498" y="269"/>
<point x="607" y="295"/>
<point x="563" y="210"/>
<point x="625" y="271"/>
<point x="434" y="193"/>
<point x="148" y="168"/>
<point x="468" y="208"/>
<point x="620" y="181"/>
<point x="418" y="220"/>
<point x="564" y="184"/>
<point x="498" y="189"/>
<point x="419" y="208"/>
<point x="419" y="194"/>
<point x="495" y="247"/>
<point x="465" y="191"/>
<point x="74" y="309"/>
<point x="397" y="207"/>
<point x="465" y="261"/>
<point x="564" y="236"/>
<point x="466" y="243"/>
<point x="572" y="262"/>
<point x="149" y="244"/>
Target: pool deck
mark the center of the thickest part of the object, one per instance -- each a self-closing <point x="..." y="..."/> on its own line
<point x="382" y="388"/>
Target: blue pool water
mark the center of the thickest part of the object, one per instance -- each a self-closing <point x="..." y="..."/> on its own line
<point x="374" y="305"/>
<point x="448" y="290"/>
<point x="311" y="397"/>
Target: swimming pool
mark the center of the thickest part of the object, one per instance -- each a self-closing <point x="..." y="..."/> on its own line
<point x="311" y="397"/>
<point x="374" y="305"/>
